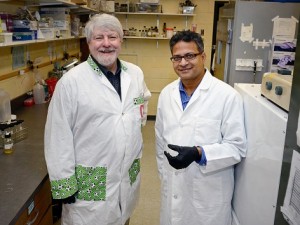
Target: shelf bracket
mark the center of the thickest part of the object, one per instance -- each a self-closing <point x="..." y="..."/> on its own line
<point x="186" y="22"/>
<point x="126" y="22"/>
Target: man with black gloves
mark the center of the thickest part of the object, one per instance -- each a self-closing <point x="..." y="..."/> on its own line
<point x="200" y="136"/>
<point x="186" y="155"/>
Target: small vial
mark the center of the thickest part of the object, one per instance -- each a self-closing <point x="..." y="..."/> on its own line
<point x="8" y="144"/>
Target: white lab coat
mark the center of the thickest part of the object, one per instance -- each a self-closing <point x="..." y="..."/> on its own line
<point x="213" y="119"/>
<point x="89" y="129"/>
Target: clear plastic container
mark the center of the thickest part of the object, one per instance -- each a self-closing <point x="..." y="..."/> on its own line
<point x="39" y="94"/>
<point x="169" y="32"/>
<point x="5" y="107"/>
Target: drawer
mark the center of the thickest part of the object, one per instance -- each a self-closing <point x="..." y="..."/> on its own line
<point x="47" y="219"/>
<point x="38" y="207"/>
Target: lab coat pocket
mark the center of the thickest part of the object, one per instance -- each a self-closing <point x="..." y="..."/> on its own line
<point x="207" y="131"/>
<point x="207" y="193"/>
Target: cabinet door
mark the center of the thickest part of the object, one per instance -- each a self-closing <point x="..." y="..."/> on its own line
<point x="39" y="208"/>
<point x="47" y="219"/>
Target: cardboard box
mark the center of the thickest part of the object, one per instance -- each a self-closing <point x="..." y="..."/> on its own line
<point x="79" y="2"/>
<point x="61" y="24"/>
<point x="149" y="1"/>
<point x="94" y="4"/>
<point x="188" y="9"/>
<point x="110" y="6"/>
<point x="48" y="33"/>
<point x="6" y="38"/>
<point x="65" y="33"/>
<point x="55" y="13"/>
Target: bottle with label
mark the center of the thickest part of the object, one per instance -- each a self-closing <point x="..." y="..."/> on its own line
<point x="8" y="144"/>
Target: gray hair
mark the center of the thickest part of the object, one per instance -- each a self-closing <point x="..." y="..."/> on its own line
<point x="104" y="20"/>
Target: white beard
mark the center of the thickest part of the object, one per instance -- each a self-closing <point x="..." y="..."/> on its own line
<point x="106" y="61"/>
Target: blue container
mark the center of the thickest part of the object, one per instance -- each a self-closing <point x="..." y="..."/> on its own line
<point x="24" y="36"/>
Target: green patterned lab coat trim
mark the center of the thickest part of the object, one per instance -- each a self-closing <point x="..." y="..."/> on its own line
<point x="95" y="67"/>
<point x="91" y="183"/>
<point x="134" y="170"/>
<point x="64" y="188"/>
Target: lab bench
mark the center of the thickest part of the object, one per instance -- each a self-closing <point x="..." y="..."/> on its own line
<point x="25" y="195"/>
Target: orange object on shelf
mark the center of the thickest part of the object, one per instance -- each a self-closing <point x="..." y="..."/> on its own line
<point x="51" y="82"/>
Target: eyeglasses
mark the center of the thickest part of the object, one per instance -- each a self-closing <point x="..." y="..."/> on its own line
<point x="187" y="57"/>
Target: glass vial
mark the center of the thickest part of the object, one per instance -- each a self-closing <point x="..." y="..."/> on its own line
<point x="8" y="144"/>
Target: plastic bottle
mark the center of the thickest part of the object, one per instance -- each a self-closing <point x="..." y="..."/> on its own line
<point x="174" y="30"/>
<point x="8" y="144"/>
<point x="169" y="32"/>
<point x="39" y="93"/>
<point x="5" y="108"/>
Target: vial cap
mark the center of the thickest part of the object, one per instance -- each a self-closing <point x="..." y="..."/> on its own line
<point x="7" y="135"/>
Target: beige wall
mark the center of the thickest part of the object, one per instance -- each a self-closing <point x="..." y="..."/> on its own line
<point x="20" y="84"/>
<point x="151" y="55"/>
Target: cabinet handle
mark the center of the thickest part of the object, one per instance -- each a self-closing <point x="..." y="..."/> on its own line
<point x="34" y="219"/>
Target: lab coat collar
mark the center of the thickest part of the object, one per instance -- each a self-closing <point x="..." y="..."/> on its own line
<point x="204" y="85"/>
<point x="206" y="81"/>
<point x="125" y="77"/>
<point x="96" y="68"/>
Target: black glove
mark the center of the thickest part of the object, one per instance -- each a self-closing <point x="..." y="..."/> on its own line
<point x="69" y="200"/>
<point x="186" y="155"/>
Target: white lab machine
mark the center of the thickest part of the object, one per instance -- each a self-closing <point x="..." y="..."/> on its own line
<point x="257" y="176"/>
<point x="277" y="88"/>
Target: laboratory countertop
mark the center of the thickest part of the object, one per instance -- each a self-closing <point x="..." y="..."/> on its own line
<point x="23" y="172"/>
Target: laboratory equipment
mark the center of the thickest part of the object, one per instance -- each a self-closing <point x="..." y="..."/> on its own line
<point x="257" y="176"/>
<point x="277" y="88"/>
<point x="70" y="64"/>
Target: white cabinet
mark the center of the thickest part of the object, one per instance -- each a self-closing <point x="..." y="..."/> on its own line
<point x="257" y="176"/>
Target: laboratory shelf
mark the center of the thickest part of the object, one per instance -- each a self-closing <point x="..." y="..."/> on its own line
<point x="154" y="14"/>
<point x="18" y="43"/>
<point x="150" y="38"/>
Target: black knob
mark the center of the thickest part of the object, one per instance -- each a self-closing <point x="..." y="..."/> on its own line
<point x="269" y="85"/>
<point x="278" y="90"/>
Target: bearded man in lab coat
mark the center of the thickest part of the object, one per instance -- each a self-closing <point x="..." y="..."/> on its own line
<point x="93" y="140"/>
<point x="200" y="136"/>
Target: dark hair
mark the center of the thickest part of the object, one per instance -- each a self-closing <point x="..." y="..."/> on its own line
<point x="187" y="36"/>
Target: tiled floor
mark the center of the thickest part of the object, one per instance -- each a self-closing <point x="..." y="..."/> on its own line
<point x="147" y="211"/>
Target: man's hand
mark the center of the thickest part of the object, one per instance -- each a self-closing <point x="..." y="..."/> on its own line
<point x="186" y="155"/>
<point x="69" y="200"/>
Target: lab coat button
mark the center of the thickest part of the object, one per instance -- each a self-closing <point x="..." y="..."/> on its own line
<point x="176" y="173"/>
<point x="123" y="114"/>
<point x="175" y="196"/>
